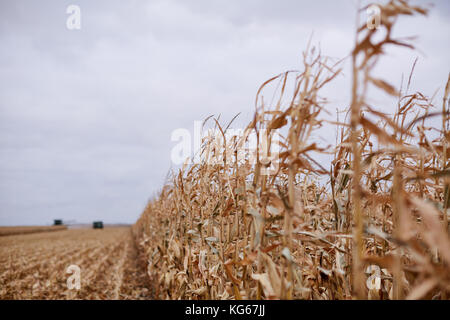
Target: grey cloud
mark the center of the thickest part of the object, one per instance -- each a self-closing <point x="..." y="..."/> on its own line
<point x="86" y="116"/>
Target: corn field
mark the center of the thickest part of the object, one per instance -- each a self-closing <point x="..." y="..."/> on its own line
<point x="8" y="231"/>
<point x="370" y="224"/>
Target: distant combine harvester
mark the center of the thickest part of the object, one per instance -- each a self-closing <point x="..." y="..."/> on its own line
<point x="57" y="222"/>
<point x="97" y="225"/>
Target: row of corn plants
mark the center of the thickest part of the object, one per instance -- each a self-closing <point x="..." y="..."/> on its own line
<point x="370" y="224"/>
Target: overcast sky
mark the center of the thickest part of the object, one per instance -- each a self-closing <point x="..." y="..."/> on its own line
<point x="86" y="115"/>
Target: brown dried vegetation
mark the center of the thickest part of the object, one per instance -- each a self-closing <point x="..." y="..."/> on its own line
<point x="229" y="231"/>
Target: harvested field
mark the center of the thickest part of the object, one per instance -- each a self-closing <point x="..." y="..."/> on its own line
<point x="8" y="231"/>
<point x="33" y="266"/>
